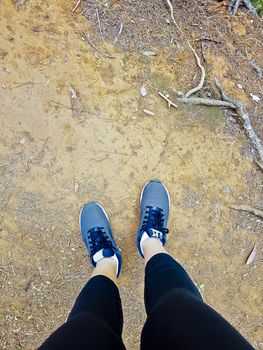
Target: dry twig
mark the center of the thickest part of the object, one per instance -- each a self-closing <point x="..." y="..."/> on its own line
<point x="101" y="34"/>
<point x="119" y="33"/>
<point x="86" y="37"/>
<point x="170" y="103"/>
<point x="76" y="6"/>
<point x="209" y="39"/>
<point x="248" y="209"/>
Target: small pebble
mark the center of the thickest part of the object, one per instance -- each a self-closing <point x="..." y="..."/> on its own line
<point x="255" y="98"/>
<point x="149" y="53"/>
<point x="143" y="91"/>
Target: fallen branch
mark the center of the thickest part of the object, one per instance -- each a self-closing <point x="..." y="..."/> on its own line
<point x="170" y="103"/>
<point x="241" y="110"/>
<point x="248" y="209"/>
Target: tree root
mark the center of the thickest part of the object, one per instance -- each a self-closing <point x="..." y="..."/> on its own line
<point x="241" y="110"/>
<point x="260" y="165"/>
<point x="172" y="15"/>
<point x="206" y="102"/>
<point x="198" y="61"/>
<point x="248" y="209"/>
<point x="234" y="5"/>
<point x="233" y="104"/>
<point x="202" y="79"/>
<point x="225" y="101"/>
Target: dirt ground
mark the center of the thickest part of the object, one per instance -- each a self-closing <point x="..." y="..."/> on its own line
<point x="73" y="130"/>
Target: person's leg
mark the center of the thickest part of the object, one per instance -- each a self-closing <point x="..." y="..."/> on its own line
<point x="176" y="315"/>
<point x="177" y="318"/>
<point x="101" y="297"/>
<point x="96" y="318"/>
<point x="163" y="273"/>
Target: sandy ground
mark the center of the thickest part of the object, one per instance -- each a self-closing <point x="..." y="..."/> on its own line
<point x="58" y="151"/>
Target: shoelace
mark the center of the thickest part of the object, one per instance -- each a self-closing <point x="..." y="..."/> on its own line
<point x="98" y="239"/>
<point x="154" y="219"/>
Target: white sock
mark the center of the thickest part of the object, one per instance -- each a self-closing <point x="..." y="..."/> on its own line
<point x="144" y="237"/>
<point x="99" y="256"/>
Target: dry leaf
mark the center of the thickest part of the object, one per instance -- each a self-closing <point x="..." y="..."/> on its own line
<point x="252" y="255"/>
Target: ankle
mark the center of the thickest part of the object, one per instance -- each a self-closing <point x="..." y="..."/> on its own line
<point x="152" y="246"/>
<point x="106" y="267"/>
<point x="107" y="263"/>
<point x="150" y="242"/>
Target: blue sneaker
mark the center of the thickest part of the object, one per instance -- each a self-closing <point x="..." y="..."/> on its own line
<point x="154" y="213"/>
<point x="96" y="233"/>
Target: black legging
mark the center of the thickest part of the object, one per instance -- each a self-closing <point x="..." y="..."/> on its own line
<point x="177" y="317"/>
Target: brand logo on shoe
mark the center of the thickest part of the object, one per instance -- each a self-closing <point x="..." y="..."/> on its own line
<point x="155" y="233"/>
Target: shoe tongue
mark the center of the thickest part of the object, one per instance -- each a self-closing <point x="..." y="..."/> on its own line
<point x="156" y="208"/>
<point x="103" y="253"/>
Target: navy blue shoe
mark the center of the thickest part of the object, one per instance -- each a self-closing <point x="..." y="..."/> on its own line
<point x="154" y="213"/>
<point x="96" y="233"/>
